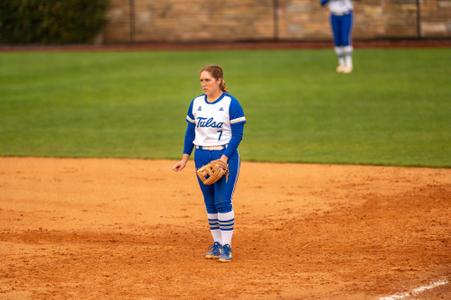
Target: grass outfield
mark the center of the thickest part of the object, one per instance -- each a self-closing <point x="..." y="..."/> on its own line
<point x="395" y="109"/>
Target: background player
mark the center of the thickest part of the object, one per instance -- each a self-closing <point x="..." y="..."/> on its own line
<point x="215" y="127"/>
<point x="341" y="21"/>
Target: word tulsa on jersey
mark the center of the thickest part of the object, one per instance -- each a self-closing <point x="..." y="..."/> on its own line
<point x="204" y="122"/>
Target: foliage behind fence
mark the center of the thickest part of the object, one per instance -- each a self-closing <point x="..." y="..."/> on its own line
<point x="51" y="21"/>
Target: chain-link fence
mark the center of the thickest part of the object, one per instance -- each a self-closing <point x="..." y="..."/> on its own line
<point x="239" y="20"/>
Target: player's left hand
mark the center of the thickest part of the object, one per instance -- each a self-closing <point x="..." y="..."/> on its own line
<point x="224" y="158"/>
<point x="213" y="171"/>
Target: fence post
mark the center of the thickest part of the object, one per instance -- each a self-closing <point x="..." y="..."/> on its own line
<point x="418" y="19"/>
<point x="131" y="8"/>
<point x="275" y="20"/>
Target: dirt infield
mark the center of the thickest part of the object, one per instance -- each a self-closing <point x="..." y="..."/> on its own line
<point x="133" y="229"/>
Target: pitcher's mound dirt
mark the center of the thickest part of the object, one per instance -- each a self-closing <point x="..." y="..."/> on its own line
<point x="108" y="228"/>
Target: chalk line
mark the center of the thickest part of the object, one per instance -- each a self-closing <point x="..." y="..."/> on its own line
<point x="416" y="291"/>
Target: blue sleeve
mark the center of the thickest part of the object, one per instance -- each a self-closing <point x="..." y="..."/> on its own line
<point x="237" y="136"/>
<point x="189" y="114"/>
<point x="236" y="113"/>
<point x="324" y="2"/>
<point x="189" y="138"/>
<point x="190" y="131"/>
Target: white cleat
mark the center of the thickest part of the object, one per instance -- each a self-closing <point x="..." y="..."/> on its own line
<point x="346" y="70"/>
<point x="340" y="68"/>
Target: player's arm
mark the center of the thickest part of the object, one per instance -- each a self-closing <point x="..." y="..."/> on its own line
<point x="188" y="141"/>
<point x="237" y="120"/>
<point x="189" y="138"/>
<point x="187" y="148"/>
<point x="324" y="2"/>
<point x="237" y="136"/>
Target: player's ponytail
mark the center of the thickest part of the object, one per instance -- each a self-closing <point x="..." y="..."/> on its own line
<point x="217" y="73"/>
<point x="223" y="85"/>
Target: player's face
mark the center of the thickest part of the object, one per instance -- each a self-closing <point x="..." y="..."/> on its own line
<point x="209" y="84"/>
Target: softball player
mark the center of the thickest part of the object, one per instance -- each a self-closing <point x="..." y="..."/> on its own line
<point x="341" y="21"/>
<point x="215" y="128"/>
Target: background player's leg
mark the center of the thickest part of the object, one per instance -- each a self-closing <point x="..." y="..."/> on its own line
<point x="337" y="37"/>
<point x="347" y="41"/>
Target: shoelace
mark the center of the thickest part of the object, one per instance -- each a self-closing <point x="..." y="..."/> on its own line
<point x="215" y="247"/>
<point x="226" y="250"/>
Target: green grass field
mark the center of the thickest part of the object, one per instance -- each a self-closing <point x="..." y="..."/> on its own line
<point x="395" y="109"/>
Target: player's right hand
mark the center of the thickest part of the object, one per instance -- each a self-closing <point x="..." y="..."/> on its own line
<point x="180" y="165"/>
